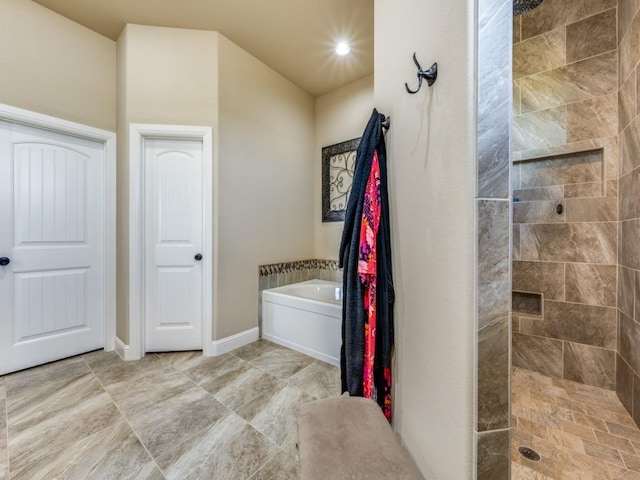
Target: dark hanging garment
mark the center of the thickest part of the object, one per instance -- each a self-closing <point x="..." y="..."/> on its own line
<point x="365" y="256"/>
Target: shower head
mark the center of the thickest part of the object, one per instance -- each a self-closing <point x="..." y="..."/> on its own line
<point x="524" y="6"/>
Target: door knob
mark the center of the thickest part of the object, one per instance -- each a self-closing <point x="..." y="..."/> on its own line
<point x="4" y="261"/>
<point x="198" y="256"/>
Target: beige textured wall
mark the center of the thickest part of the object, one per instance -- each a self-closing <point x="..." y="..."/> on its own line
<point x="165" y="76"/>
<point x="339" y="116"/>
<point x="52" y="65"/>
<point x="122" y="195"/>
<point x="431" y="182"/>
<point x="265" y="182"/>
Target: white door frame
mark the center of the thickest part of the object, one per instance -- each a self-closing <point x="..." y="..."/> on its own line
<point x="108" y="139"/>
<point x="137" y="134"/>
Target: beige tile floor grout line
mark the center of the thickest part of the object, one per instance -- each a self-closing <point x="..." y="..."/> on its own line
<point x="123" y="417"/>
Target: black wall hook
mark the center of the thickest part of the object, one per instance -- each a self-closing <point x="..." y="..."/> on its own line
<point x="430" y="75"/>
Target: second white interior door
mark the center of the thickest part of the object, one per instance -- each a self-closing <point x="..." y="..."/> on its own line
<point x="174" y="227"/>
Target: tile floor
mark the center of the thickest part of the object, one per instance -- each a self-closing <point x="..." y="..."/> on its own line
<point x="173" y="415"/>
<point x="581" y="432"/>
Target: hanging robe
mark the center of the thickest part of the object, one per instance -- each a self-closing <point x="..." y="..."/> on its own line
<point x="365" y="256"/>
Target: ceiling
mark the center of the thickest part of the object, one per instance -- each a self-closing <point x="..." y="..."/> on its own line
<point x="294" y="37"/>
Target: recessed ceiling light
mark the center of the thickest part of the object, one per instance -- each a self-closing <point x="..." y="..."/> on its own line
<point x="342" y="48"/>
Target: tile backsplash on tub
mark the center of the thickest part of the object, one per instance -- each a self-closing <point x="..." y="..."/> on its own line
<point x="285" y="273"/>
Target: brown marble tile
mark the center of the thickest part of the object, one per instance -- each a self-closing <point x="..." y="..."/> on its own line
<point x="576" y="82"/>
<point x="636" y="310"/>
<point x="538" y="54"/>
<point x="540" y="277"/>
<point x="493" y="455"/>
<point x="539" y="354"/>
<point x="516" y="29"/>
<point x="494" y="275"/>
<point x="628" y="50"/>
<point x="554" y="13"/>
<point x="592" y="36"/>
<point x="515" y="175"/>
<point x="629" y="196"/>
<point x="626" y="11"/>
<point x="575" y="242"/>
<point x="608" y="147"/>
<point x="613" y="441"/>
<point x="624" y="383"/>
<point x="515" y="323"/>
<point x="527" y="303"/>
<point x="583" y="190"/>
<point x="629" y="332"/>
<point x="594" y="118"/>
<point x="629" y="241"/>
<point x="564" y="169"/>
<point x="591" y="284"/>
<point x="552" y="192"/>
<point x="630" y="146"/>
<point x="573" y="322"/>
<point x="516" y="242"/>
<point x="627" y="95"/>
<point x="626" y="290"/>
<point x="636" y="404"/>
<point x="540" y="211"/>
<point x="590" y="365"/>
<point x="541" y="129"/>
<point x="516" y="97"/>
<point x="494" y="373"/>
<point x="603" y="209"/>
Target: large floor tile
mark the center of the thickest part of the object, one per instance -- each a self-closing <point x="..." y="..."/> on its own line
<point x="182" y="361"/>
<point x="110" y="368"/>
<point x="275" y="415"/>
<point x="283" y="466"/>
<point x="282" y="363"/>
<point x="113" y="453"/>
<point x="22" y="382"/>
<point x="162" y="426"/>
<point x="230" y="450"/>
<point x="4" y="454"/>
<point x="256" y="349"/>
<point x="136" y="396"/>
<point x="34" y="445"/>
<point x="318" y="379"/>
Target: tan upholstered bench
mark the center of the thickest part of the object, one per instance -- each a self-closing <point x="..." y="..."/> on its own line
<point x="349" y="438"/>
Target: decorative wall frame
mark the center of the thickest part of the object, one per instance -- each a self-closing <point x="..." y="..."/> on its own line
<point x="338" y="165"/>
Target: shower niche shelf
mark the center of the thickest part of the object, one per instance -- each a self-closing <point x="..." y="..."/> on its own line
<point x="527" y="303"/>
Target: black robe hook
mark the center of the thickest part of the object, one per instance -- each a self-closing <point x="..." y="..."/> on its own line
<point x="385" y="122"/>
<point x="430" y="75"/>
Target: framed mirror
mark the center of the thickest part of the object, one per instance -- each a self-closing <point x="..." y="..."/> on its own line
<point x="338" y="165"/>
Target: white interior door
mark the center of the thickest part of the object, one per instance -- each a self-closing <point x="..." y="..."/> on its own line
<point x="173" y="244"/>
<point x="52" y="216"/>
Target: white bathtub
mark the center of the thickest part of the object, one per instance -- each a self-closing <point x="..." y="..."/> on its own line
<point x="306" y="317"/>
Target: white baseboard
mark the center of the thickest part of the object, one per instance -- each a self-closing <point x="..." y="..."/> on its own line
<point x="225" y="345"/>
<point x="124" y="351"/>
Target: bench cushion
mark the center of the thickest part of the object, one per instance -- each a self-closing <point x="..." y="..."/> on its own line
<point x="349" y="438"/>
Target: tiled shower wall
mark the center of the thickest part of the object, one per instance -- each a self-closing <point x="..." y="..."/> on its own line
<point x="565" y="216"/>
<point x="565" y="71"/>
<point x="628" y="359"/>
